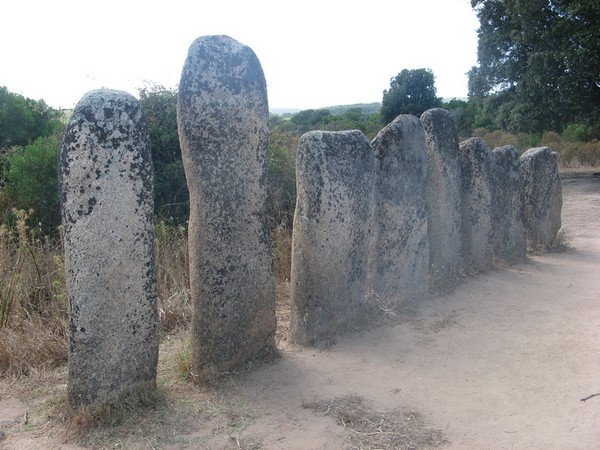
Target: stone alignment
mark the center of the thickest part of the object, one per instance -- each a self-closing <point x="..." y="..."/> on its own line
<point x="476" y="174"/>
<point x="399" y="251"/>
<point x="542" y="197"/>
<point x="106" y="182"/>
<point x="335" y="174"/>
<point x="443" y="193"/>
<point x="222" y="114"/>
<point x="509" y="243"/>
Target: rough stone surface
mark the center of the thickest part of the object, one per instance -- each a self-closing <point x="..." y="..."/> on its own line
<point x="335" y="176"/>
<point x="106" y="182"/>
<point x="509" y="244"/>
<point x="399" y="250"/>
<point x="542" y="197"/>
<point x="222" y="114"/>
<point x="476" y="179"/>
<point x="443" y="192"/>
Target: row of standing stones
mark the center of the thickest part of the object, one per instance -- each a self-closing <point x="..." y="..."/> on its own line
<point x="400" y="216"/>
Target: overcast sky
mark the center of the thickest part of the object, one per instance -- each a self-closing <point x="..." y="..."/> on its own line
<point x="314" y="53"/>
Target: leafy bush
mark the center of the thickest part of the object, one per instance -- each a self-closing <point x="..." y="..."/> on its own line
<point x="32" y="183"/>
<point x="578" y="132"/>
<point x="171" y="197"/>
<point x="281" y="189"/>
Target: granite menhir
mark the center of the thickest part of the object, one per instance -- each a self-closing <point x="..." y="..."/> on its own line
<point x="476" y="174"/>
<point x="443" y="198"/>
<point x="542" y="197"/>
<point x="222" y="114"/>
<point x="399" y="251"/>
<point x="335" y="176"/>
<point x="509" y="244"/>
<point x="106" y="183"/>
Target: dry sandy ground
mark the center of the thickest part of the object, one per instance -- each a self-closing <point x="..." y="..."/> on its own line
<point x="501" y="363"/>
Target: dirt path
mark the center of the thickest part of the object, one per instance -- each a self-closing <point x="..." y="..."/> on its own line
<point x="502" y="363"/>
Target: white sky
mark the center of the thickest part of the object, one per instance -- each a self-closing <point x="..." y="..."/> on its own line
<point x="313" y="53"/>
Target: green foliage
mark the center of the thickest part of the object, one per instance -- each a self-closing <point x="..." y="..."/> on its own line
<point x="23" y="120"/>
<point x="578" y="132"/>
<point x="309" y="119"/>
<point x="32" y="183"/>
<point x="411" y="92"/>
<point x="367" y="108"/>
<point x="171" y="196"/>
<point x="345" y="118"/>
<point x="281" y="191"/>
<point x="539" y="64"/>
<point x="463" y="113"/>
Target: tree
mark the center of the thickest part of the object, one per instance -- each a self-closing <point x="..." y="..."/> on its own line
<point x="23" y="120"/>
<point x="539" y="64"/>
<point x="171" y="196"/>
<point x="410" y="92"/>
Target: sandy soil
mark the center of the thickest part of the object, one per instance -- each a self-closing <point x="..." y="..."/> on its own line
<point x="501" y="363"/>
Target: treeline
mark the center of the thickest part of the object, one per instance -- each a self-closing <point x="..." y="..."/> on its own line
<point x="28" y="157"/>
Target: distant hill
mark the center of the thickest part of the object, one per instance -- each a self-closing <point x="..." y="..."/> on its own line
<point x="367" y="108"/>
<point x="282" y="111"/>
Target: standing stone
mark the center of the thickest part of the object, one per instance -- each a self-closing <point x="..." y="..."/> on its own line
<point x="542" y="197"/>
<point x="335" y="175"/>
<point x="509" y="244"/>
<point x="106" y="182"/>
<point x="222" y="114"/>
<point x="476" y="169"/>
<point x="443" y="193"/>
<point x="399" y="251"/>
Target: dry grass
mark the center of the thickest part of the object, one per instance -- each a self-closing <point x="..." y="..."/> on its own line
<point x="282" y="252"/>
<point x="562" y="244"/>
<point x="173" y="281"/>
<point x="33" y="302"/>
<point x="115" y="413"/>
<point x="33" y="299"/>
<point x="370" y="429"/>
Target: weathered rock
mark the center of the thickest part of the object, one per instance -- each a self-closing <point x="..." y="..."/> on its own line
<point x="106" y="182"/>
<point x="508" y="244"/>
<point x="542" y="197"/>
<point x="476" y="175"/>
<point x="222" y="114"/>
<point x="335" y="175"/>
<point x="399" y="250"/>
<point x="443" y="194"/>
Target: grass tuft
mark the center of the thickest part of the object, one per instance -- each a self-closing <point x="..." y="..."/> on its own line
<point x="82" y="420"/>
<point x="370" y="429"/>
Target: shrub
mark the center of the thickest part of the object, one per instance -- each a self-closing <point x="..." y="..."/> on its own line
<point x="577" y="132"/>
<point x="281" y="190"/>
<point x="32" y="183"/>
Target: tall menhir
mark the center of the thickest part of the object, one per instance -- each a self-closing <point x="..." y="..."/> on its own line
<point x="106" y="182"/>
<point x="222" y="114"/>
